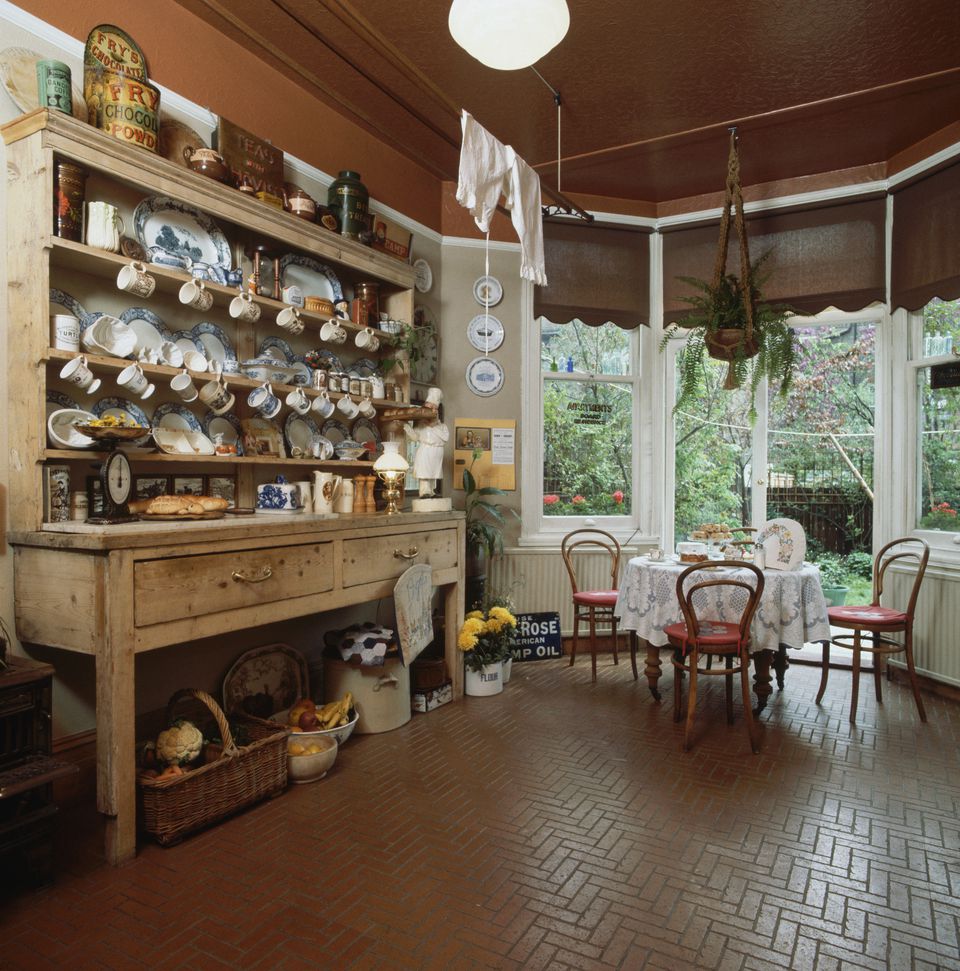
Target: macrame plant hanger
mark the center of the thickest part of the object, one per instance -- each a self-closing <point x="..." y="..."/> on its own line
<point x="729" y="344"/>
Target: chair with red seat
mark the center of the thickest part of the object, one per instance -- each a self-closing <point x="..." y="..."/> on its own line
<point x="879" y="622"/>
<point x="695" y="637"/>
<point x="594" y="605"/>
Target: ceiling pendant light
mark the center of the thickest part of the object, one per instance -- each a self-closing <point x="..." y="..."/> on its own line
<point x="508" y="34"/>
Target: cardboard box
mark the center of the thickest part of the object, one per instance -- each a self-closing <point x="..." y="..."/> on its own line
<point x="424" y="701"/>
<point x="391" y="239"/>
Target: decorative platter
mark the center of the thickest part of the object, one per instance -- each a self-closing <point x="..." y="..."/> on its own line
<point x="314" y="278"/>
<point x="150" y="329"/>
<point x="488" y="291"/>
<point x="276" y="347"/>
<point x="186" y="341"/>
<point x="18" y="71"/>
<point x="215" y="346"/>
<point x="335" y="431"/>
<point x="484" y="376"/>
<point x="174" y="416"/>
<point x="180" y="231"/>
<point x="300" y="431"/>
<point x="274" y="670"/>
<point x="485" y="332"/>
<point x="363" y="367"/>
<point x="364" y="430"/>
<point x="424" y="278"/>
<point x="227" y="426"/>
<point x="332" y="362"/>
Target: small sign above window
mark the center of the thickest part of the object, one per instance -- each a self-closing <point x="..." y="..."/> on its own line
<point x="945" y="375"/>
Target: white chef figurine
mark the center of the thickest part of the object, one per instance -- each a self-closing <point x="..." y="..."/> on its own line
<point x="431" y="437"/>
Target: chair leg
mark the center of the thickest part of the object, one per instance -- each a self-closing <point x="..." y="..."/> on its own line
<point x="877" y="665"/>
<point x="747" y="710"/>
<point x="691" y="701"/>
<point x="593" y="643"/>
<point x="613" y="628"/>
<point x="825" y="671"/>
<point x="633" y="654"/>
<point x="576" y="634"/>
<point x="677" y="692"/>
<point x="855" y="687"/>
<point x="728" y="681"/>
<point x="914" y="684"/>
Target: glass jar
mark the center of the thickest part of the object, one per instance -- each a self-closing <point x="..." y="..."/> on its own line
<point x="348" y="198"/>
<point x="354" y="384"/>
<point x="333" y="381"/>
<point x="366" y="304"/>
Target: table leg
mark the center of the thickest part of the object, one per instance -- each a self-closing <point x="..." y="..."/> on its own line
<point x="652" y="670"/>
<point x="780" y="665"/>
<point x="761" y="679"/>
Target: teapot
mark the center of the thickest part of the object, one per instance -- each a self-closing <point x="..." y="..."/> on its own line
<point x="299" y="204"/>
<point x="326" y="485"/>
<point x="207" y="162"/>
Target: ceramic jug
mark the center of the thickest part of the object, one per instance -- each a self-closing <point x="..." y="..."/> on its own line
<point x="326" y="486"/>
<point x="103" y="226"/>
<point x="344" y="502"/>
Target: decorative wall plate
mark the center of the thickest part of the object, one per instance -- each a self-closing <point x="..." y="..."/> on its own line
<point x="488" y="291"/>
<point x="276" y="347"/>
<point x="187" y="342"/>
<point x="365" y="431"/>
<point x="216" y="346"/>
<point x="181" y="231"/>
<point x="485" y="332"/>
<point x="424" y="278"/>
<point x="300" y="431"/>
<point x="150" y="329"/>
<point x="314" y="278"/>
<point x="275" y="671"/>
<point x="57" y="399"/>
<point x="176" y="416"/>
<point x="226" y="426"/>
<point x="484" y="376"/>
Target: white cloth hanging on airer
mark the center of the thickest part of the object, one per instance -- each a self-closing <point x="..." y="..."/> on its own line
<point x="488" y="170"/>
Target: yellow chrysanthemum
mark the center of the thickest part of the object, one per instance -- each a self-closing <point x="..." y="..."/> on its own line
<point x="503" y="615"/>
<point x="473" y="625"/>
<point x="466" y="642"/>
<point x="475" y="615"/>
<point x="494" y="625"/>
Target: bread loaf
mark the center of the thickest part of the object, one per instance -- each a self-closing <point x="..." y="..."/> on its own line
<point x="212" y="503"/>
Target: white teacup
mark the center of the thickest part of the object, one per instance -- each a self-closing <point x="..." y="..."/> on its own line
<point x="331" y="331"/>
<point x="133" y="380"/>
<point x="289" y="320"/>
<point x="66" y="332"/>
<point x="195" y="361"/>
<point x="243" y="308"/>
<point x="655" y="555"/>
<point x="298" y="401"/>
<point x="134" y="279"/>
<point x="216" y="396"/>
<point x="323" y="406"/>
<point x="348" y="406"/>
<point x="194" y="294"/>
<point x="182" y="384"/>
<point x="367" y="408"/>
<point x="77" y="373"/>
<point x="367" y="339"/>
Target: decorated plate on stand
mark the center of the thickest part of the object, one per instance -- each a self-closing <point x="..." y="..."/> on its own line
<point x="276" y="347"/>
<point x="300" y="431"/>
<point x="187" y="342"/>
<point x="226" y="426"/>
<point x="314" y="278"/>
<point x="335" y="431"/>
<point x="181" y="231"/>
<point x="330" y="360"/>
<point x="216" y="346"/>
<point x="365" y="430"/>
<point x="150" y="329"/>
<point x="175" y="416"/>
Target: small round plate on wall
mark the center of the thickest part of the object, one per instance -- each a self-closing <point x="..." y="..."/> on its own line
<point x="484" y="376"/>
<point x="485" y="332"/>
<point x="424" y="278"/>
<point x="488" y="291"/>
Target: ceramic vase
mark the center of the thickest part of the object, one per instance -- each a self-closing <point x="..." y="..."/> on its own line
<point x="487" y="681"/>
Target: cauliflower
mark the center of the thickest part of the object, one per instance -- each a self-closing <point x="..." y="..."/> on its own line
<point x="180" y="744"/>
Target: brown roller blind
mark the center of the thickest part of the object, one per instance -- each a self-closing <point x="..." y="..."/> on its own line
<point x="597" y="273"/>
<point x="831" y="256"/>
<point x="926" y="240"/>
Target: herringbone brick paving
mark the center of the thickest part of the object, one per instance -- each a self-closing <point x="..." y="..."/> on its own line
<point x="555" y="826"/>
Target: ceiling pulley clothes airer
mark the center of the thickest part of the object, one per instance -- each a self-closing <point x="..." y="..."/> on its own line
<point x="508" y="34"/>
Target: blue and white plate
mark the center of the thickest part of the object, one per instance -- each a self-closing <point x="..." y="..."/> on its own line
<point x="227" y="426"/>
<point x="125" y="409"/>
<point x="216" y="346"/>
<point x="276" y="347"/>
<point x="187" y="342"/>
<point x="57" y="400"/>
<point x="181" y="232"/>
<point x="365" y="430"/>
<point x="363" y="367"/>
<point x="151" y="331"/>
<point x="314" y="278"/>
<point x="69" y="303"/>
<point x="335" y="431"/>
<point x="300" y="431"/>
<point x="177" y="417"/>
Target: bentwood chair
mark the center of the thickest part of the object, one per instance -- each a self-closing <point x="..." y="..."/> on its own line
<point x="695" y="637"/>
<point x="594" y="605"/>
<point x="879" y="622"/>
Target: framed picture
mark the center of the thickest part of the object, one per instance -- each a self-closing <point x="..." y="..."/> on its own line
<point x="188" y="485"/>
<point x="94" y="496"/>
<point x="473" y="438"/>
<point x="150" y="486"/>
<point x="223" y="487"/>
<point x="262" y="437"/>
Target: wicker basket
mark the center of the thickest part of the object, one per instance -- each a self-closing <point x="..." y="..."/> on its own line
<point x="177" y="805"/>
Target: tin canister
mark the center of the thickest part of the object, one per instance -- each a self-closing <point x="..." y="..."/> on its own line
<point x="69" y="191"/>
<point x="348" y="198"/>
<point x="53" y="86"/>
<point x="126" y="108"/>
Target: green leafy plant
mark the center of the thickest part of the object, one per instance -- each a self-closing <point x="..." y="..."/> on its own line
<point x="833" y="571"/>
<point x="723" y="308"/>
<point x="407" y="347"/>
<point x="485" y="519"/>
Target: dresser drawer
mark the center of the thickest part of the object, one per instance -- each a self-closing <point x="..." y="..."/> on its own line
<point x="192" y="586"/>
<point x="385" y="557"/>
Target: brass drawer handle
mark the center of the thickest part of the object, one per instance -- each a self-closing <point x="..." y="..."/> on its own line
<point x="411" y="553"/>
<point x="264" y="573"/>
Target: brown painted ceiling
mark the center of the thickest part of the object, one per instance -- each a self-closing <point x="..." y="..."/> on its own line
<point x="648" y="86"/>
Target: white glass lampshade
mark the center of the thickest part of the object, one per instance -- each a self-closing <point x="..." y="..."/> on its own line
<point x="390" y="460"/>
<point x="508" y="34"/>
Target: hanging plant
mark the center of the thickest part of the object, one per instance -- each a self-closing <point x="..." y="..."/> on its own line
<point x="729" y="320"/>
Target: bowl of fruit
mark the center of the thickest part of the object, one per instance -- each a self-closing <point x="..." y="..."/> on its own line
<point x="307" y="721"/>
<point x="308" y="761"/>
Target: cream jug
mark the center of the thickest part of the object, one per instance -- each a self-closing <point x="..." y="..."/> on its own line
<point x="326" y="486"/>
<point x="344" y="502"/>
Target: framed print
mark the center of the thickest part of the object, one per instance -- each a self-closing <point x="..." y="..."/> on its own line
<point x="150" y="486"/>
<point x="188" y="485"/>
<point x="223" y="487"/>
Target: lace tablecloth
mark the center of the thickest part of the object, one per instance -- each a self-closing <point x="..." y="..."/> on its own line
<point x="792" y="609"/>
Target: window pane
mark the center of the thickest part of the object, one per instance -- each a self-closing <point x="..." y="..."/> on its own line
<point x="577" y="347"/>
<point x="941" y="327"/>
<point x="587" y="448"/>
<point x="939" y="452"/>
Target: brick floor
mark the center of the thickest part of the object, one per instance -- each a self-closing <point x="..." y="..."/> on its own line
<point x="555" y="826"/>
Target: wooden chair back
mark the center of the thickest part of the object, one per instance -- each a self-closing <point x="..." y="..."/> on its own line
<point x="685" y="595"/>
<point x="590" y="538"/>
<point x="920" y="554"/>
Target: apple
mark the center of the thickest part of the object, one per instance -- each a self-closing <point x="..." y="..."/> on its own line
<point x="308" y="721"/>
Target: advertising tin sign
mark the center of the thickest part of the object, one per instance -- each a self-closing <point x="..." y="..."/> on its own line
<point x="110" y="50"/>
<point x="127" y="109"/>
<point x="253" y="162"/>
<point x="538" y="637"/>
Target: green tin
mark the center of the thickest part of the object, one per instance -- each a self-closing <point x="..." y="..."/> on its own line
<point x="53" y="86"/>
<point x="348" y="198"/>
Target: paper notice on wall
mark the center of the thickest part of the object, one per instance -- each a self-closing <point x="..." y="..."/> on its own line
<point x="488" y="447"/>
